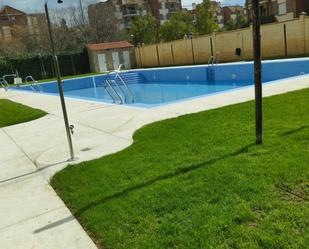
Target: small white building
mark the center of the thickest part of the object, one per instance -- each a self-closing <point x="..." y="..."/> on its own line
<point x="109" y="55"/>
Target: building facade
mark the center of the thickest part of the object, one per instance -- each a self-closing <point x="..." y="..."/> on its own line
<point x="119" y="14"/>
<point x="282" y="10"/>
<point x="109" y="55"/>
<point x="223" y="14"/>
<point x="14" y="22"/>
<point x="163" y="9"/>
<point x="232" y="12"/>
<point x="217" y="11"/>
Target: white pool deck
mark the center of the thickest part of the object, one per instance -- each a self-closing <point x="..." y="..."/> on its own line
<point x="31" y="213"/>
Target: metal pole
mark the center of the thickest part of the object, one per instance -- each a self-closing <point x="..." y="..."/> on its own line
<point x="257" y="72"/>
<point x="57" y="71"/>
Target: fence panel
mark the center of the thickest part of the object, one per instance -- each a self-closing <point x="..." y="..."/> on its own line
<point x="306" y="27"/>
<point x="138" y="59"/>
<point x="226" y="44"/>
<point x="182" y="50"/>
<point x="149" y="56"/>
<point x="198" y="50"/>
<point x="202" y="49"/>
<point x="247" y="40"/>
<point x="166" y="56"/>
<point x="81" y="62"/>
<point x="295" y="37"/>
<point x="272" y="40"/>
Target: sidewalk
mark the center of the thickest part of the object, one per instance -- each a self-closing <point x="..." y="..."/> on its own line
<point x="31" y="213"/>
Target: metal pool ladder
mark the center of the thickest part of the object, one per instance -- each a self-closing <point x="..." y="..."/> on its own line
<point x="4" y="84"/>
<point x="211" y="72"/>
<point x="114" y="87"/>
<point x="3" y="81"/>
<point x="33" y="83"/>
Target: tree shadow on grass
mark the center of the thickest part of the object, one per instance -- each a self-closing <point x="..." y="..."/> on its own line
<point x="290" y="132"/>
<point x="178" y="172"/>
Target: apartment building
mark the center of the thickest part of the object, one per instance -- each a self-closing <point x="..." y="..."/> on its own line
<point x="14" y="22"/>
<point x="282" y="10"/>
<point x="119" y="14"/>
<point x="217" y="11"/>
<point x="164" y="9"/>
<point x="223" y="14"/>
<point x="232" y="12"/>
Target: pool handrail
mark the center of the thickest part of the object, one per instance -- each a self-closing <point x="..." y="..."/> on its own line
<point x="32" y="82"/>
<point x="3" y="81"/>
<point x="120" y="89"/>
<point x="125" y="84"/>
<point x="4" y="84"/>
<point x="122" y="80"/>
<point x="212" y="62"/>
<point x="114" y="91"/>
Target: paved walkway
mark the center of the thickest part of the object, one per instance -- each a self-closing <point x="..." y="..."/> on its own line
<point x="31" y="214"/>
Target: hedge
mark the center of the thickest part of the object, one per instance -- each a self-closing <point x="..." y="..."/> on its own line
<point x="40" y="67"/>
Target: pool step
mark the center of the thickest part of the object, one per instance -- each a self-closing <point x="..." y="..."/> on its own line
<point x="133" y="77"/>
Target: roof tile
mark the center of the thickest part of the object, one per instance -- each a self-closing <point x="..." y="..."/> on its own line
<point x="110" y="45"/>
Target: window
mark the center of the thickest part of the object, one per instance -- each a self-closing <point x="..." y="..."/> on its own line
<point x="282" y="8"/>
<point x="35" y="21"/>
<point x="7" y="32"/>
<point x="262" y="10"/>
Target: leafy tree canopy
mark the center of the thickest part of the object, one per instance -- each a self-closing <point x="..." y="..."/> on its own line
<point x="204" y="18"/>
<point x="144" y="29"/>
<point x="238" y="23"/>
<point x="179" y="25"/>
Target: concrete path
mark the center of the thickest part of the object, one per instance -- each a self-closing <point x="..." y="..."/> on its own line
<point x="31" y="213"/>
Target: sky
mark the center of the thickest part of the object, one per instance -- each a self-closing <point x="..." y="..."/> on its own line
<point x="37" y="5"/>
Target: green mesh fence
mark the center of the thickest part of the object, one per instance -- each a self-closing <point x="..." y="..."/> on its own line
<point x="41" y="67"/>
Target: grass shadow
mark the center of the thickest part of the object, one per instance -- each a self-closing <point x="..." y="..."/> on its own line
<point x="290" y="132"/>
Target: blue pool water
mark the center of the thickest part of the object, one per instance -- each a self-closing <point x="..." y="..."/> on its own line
<point x="152" y="93"/>
<point x="152" y="87"/>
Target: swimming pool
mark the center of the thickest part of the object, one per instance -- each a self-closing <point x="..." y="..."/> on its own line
<point x="157" y="86"/>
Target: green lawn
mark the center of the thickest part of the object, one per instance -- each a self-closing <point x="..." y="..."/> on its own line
<point x="70" y="77"/>
<point x="13" y="113"/>
<point x="199" y="181"/>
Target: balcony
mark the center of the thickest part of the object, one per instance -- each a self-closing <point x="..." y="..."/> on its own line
<point x="130" y="12"/>
<point x="173" y="10"/>
<point x="128" y="25"/>
<point x="131" y="2"/>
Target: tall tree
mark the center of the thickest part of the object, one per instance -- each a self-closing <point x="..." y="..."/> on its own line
<point x="204" y="18"/>
<point x="238" y="23"/>
<point x="179" y="25"/>
<point x="144" y="29"/>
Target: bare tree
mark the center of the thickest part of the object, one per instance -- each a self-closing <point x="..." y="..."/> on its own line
<point x="103" y="22"/>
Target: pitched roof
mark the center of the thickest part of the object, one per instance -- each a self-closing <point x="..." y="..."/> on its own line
<point x="11" y="11"/>
<point x="110" y="45"/>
